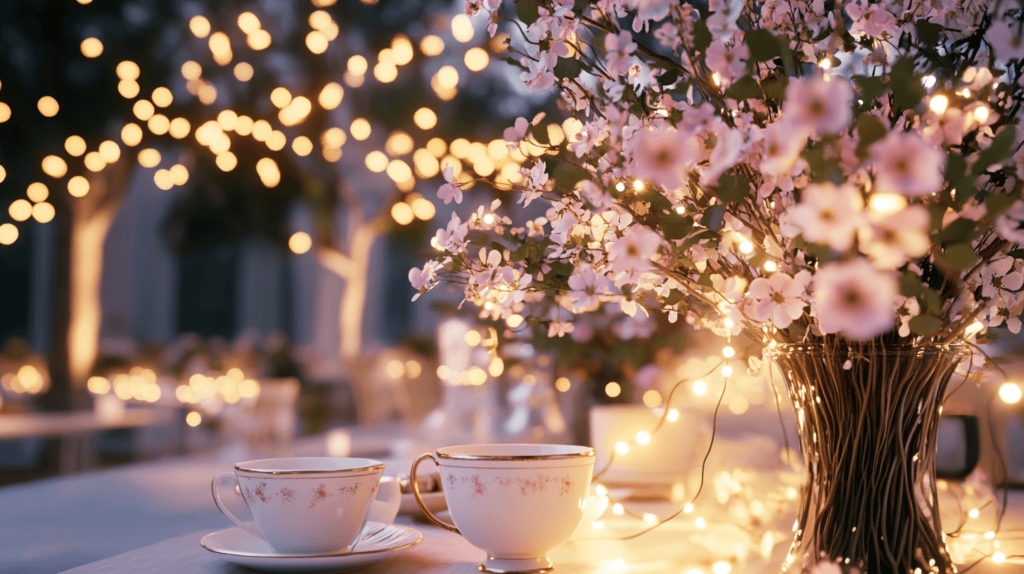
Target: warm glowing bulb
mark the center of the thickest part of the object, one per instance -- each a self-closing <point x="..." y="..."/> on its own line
<point x="825" y="63"/>
<point x="243" y="71"/>
<point x="300" y="242"/>
<point x="746" y="247"/>
<point x="193" y="419"/>
<point x="199" y="26"/>
<point x="75" y="146"/>
<point x="78" y="186"/>
<point x="938" y="104"/>
<point x="638" y="185"/>
<point x="8" y="234"/>
<point x="618" y="509"/>
<point x="770" y="266"/>
<point x="981" y="114"/>
<point x="331" y="96"/>
<point x="727" y="371"/>
<point x="462" y="28"/>
<point x="728" y="352"/>
<point x="643" y="437"/>
<point x="476" y="59"/>
<point x="613" y="389"/>
<point x="621" y="447"/>
<point x="425" y="118"/>
<point x="672" y="416"/>
<point x="700" y="388"/>
<point x="431" y="45"/>
<point x="1010" y="393"/>
<point x="37" y="192"/>
<point x="48" y="106"/>
<point x="360" y="129"/>
<point x="92" y="47"/>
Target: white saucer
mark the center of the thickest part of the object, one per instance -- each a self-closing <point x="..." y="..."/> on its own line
<point x="434" y="500"/>
<point x="244" y="549"/>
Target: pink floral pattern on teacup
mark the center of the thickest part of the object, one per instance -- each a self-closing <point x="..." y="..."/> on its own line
<point x="287" y="494"/>
<point x="563" y="483"/>
<point x="258" y="493"/>
<point x="350" y="490"/>
<point x="319" y="495"/>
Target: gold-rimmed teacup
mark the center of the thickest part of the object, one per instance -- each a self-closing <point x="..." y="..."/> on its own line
<point x="516" y="502"/>
<point x="311" y="505"/>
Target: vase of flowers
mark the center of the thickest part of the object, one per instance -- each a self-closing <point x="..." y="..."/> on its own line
<point x="867" y="416"/>
<point x="838" y="182"/>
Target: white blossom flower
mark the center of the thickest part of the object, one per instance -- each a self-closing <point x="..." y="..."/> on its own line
<point x="818" y="105"/>
<point x="779" y="298"/>
<point x="855" y="299"/>
<point x="1000" y="280"/>
<point x="906" y="164"/>
<point x="828" y="214"/>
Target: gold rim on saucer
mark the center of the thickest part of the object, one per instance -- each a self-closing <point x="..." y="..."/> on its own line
<point x="333" y="555"/>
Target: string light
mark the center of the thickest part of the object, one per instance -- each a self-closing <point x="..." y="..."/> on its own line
<point x="92" y="47"/>
<point x="613" y="389"/>
<point x="938" y="104"/>
<point x="1010" y="393"/>
<point x="300" y="242"/>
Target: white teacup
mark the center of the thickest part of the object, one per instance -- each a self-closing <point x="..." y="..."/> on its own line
<point x="516" y="502"/>
<point x="312" y="505"/>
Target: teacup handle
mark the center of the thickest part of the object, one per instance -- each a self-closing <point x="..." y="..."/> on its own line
<point x="247" y="526"/>
<point x="419" y="500"/>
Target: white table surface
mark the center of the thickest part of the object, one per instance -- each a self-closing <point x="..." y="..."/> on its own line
<point x="148" y="518"/>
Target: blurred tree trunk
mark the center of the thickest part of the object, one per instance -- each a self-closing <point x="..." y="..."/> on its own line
<point x="353" y="266"/>
<point x="75" y="304"/>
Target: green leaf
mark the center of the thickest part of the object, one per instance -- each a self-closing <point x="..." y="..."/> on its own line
<point x="870" y="129"/>
<point x="701" y="36"/>
<point x="870" y="88"/>
<point x="763" y="45"/>
<point x="928" y="33"/>
<point x="775" y="88"/>
<point x="745" y="88"/>
<point x="1001" y="148"/>
<point x="732" y="189"/>
<point x="569" y="68"/>
<point x="910" y="284"/>
<point x="676" y="226"/>
<point x="906" y="87"/>
<point x="925" y="325"/>
<point x="959" y="230"/>
<point x="568" y="175"/>
<point x="959" y="256"/>
<point x="959" y="179"/>
<point x="714" y="217"/>
<point x="527" y="12"/>
<point x="997" y="203"/>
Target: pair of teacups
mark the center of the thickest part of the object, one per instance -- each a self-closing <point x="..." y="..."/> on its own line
<point x="516" y="502"/>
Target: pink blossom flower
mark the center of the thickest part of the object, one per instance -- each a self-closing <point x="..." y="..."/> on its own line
<point x="634" y="250"/>
<point x="453" y="238"/>
<point x="587" y="287"/>
<point x="905" y="164"/>
<point x="781" y="149"/>
<point x="451" y="189"/>
<point x="559" y="329"/>
<point x="828" y="214"/>
<point x="1006" y="39"/>
<point x="779" y="298"/>
<point x="1000" y="281"/>
<point x="1010" y="224"/>
<point x="871" y="19"/>
<point x="893" y="240"/>
<point x="819" y="105"/>
<point x="855" y="299"/>
<point x="649" y="10"/>
<point x="516" y="132"/>
<point x="619" y="50"/>
<point x="729" y="63"/>
<point x="664" y="156"/>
